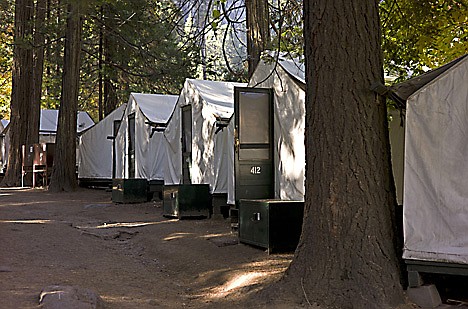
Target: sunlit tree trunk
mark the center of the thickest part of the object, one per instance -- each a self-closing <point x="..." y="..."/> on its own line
<point x="258" y="31"/>
<point x="21" y="94"/>
<point x="64" y="170"/>
<point x="346" y="256"/>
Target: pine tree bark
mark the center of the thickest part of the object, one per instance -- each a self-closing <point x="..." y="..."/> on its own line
<point x="109" y="49"/>
<point x="64" y="170"/>
<point x="346" y="256"/>
<point x="258" y="31"/>
<point x="21" y="91"/>
<point x="38" y="70"/>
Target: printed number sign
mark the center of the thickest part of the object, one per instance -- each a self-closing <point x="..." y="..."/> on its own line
<point x="255" y="170"/>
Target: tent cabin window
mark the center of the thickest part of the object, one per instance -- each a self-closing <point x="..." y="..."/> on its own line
<point x="186" y="143"/>
<point x="116" y="127"/>
<point x="221" y="123"/>
<point x="131" y="146"/>
<point x="254" y="126"/>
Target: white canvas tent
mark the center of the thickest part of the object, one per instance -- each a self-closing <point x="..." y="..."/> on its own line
<point x="49" y="122"/>
<point x="212" y="143"/>
<point x="287" y="79"/>
<point x="96" y="147"/>
<point x="47" y="129"/>
<point x="150" y="114"/>
<point x="4" y="145"/>
<point x="435" y="212"/>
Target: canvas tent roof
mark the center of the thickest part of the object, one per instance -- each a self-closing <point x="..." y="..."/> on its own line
<point x="49" y="121"/>
<point x="436" y="166"/>
<point x="150" y="111"/>
<point x="212" y="149"/>
<point x="95" y="148"/>
<point x="405" y="89"/>
<point x="147" y="104"/>
<point x="3" y="124"/>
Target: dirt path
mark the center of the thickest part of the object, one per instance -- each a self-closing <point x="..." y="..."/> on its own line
<point x="129" y="254"/>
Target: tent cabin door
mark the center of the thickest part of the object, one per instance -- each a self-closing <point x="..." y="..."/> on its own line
<point x="253" y="157"/>
<point x="115" y="129"/>
<point x="186" y="143"/>
<point x="131" y="146"/>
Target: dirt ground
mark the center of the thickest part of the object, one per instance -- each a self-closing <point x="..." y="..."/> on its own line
<point x="129" y="254"/>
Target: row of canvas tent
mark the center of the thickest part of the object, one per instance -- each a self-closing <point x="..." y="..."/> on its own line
<point x="429" y="152"/>
<point x="47" y="131"/>
<point x="189" y="138"/>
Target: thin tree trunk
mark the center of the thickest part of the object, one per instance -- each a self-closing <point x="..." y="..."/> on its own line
<point x="258" y="31"/>
<point x="100" y="60"/>
<point x="64" y="170"/>
<point x="38" y="69"/>
<point x="109" y="49"/>
<point x="20" y="94"/>
<point x="110" y="95"/>
<point x="346" y="257"/>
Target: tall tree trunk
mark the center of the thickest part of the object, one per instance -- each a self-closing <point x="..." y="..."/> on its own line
<point x="110" y="94"/>
<point x="38" y="69"/>
<point x="20" y="94"/>
<point x="100" y="60"/>
<point x="64" y="170"/>
<point x="109" y="49"/>
<point x="258" y="31"/>
<point x="346" y="257"/>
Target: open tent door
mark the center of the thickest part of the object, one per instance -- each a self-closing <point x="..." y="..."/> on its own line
<point x="186" y="143"/>
<point x="253" y="159"/>
<point x="131" y="146"/>
<point x="115" y="130"/>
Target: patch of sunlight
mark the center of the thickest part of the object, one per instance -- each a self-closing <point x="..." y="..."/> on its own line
<point x="122" y="224"/>
<point x="216" y="235"/>
<point x="14" y="188"/>
<point x="33" y="221"/>
<point x="128" y="224"/>
<point x="5" y="194"/>
<point x="241" y="281"/>
<point x="176" y="236"/>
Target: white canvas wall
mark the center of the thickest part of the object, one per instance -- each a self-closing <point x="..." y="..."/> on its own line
<point x="95" y="155"/>
<point x="436" y="169"/>
<point x="150" y="149"/>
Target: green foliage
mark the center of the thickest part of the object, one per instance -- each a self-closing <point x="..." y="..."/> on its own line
<point x="140" y="53"/>
<point x="286" y="23"/>
<point x="6" y="57"/>
<point x="418" y="35"/>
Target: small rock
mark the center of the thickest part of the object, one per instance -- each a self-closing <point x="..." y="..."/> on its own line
<point x="69" y="297"/>
<point x="5" y="269"/>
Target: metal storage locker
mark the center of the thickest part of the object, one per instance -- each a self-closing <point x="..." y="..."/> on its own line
<point x="187" y="200"/>
<point x="133" y="190"/>
<point x="272" y="224"/>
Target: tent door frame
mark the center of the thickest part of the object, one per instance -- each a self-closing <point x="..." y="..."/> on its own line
<point x="253" y="151"/>
<point x="186" y="136"/>
<point x="131" y="145"/>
